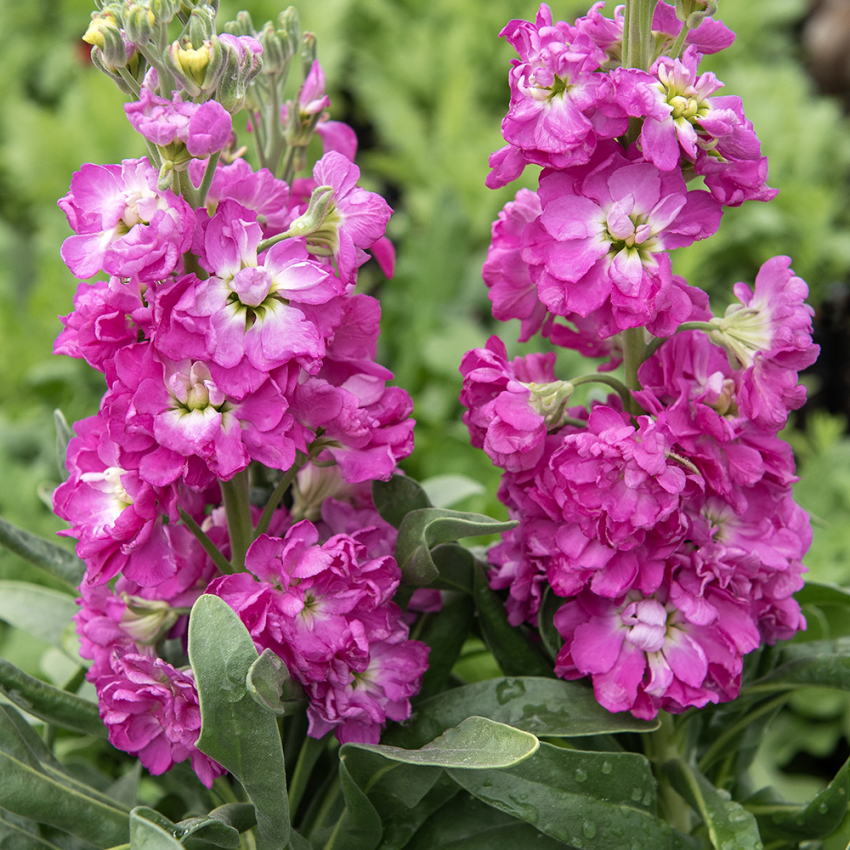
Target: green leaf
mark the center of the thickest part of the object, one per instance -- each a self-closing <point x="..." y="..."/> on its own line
<point x="447" y="490"/>
<point x="26" y="829"/>
<point x="445" y="632"/>
<point x="405" y="821"/>
<point x="53" y="705"/>
<point x="396" y="498"/>
<point x="39" y="611"/>
<point x="359" y="825"/>
<point x="466" y="823"/>
<point x="236" y="731"/>
<point x="544" y="707"/>
<point x="32" y="794"/>
<point x="813" y="664"/>
<point x="730" y="826"/>
<point x="510" y="647"/>
<point x="475" y="743"/>
<point x="63" y="437"/>
<point x="456" y="565"/>
<point x="211" y="829"/>
<point x="270" y="684"/>
<point x="599" y="801"/>
<point x="58" y="562"/>
<point x="149" y="834"/>
<point x="819" y="819"/>
<point x="550" y="636"/>
<point x="818" y="593"/>
<point x="421" y="529"/>
<point x="241" y="816"/>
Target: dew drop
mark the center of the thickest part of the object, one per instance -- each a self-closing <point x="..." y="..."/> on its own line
<point x="607" y="767"/>
<point x="823" y="808"/>
<point x="617" y="831"/>
<point x="723" y="794"/>
<point x="589" y="829"/>
<point x="647" y="798"/>
<point x="727" y="845"/>
<point x="508" y="690"/>
<point x="738" y="816"/>
<point x="637" y="793"/>
<point x="581" y="774"/>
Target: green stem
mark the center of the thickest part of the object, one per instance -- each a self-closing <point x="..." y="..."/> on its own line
<point x="131" y="81"/>
<point x="724" y="740"/>
<point x="655" y="343"/>
<point x="277" y="495"/>
<point x="328" y="796"/>
<point x="273" y="240"/>
<point x="240" y="527"/>
<point x="659" y="747"/>
<point x="188" y="191"/>
<point x="637" y="34"/>
<point x="676" y="49"/>
<point x="309" y="754"/>
<point x="209" y="174"/>
<point x="634" y="353"/>
<point x="609" y="380"/>
<point x="209" y="547"/>
<point x="287" y="168"/>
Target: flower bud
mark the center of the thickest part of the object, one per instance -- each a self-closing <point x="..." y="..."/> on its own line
<point x="308" y="53"/>
<point x="277" y="50"/>
<point x="147" y="621"/>
<point x="289" y="22"/>
<point x="139" y="23"/>
<point x="201" y="26"/>
<point x="550" y="401"/>
<point x="312" y="486"/>
<point x="743" y="332"/>
<point x="243" y="25"/>
<point x="103" y="26"/>
<point x="693" y="12"/>
<point x="164" y="10"/>
<point x="242" y="61"/>
<point x="318" y="222"/>
<point x="197" y="69"/>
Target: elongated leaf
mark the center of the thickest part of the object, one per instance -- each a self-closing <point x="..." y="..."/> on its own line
<point x="421" y="529"/>
<point x="63" y="437"/>
<point x="818" y="593"/>
<point x="730" y="826"/>
<point x="396" y="498"/>
<point x="149" y="834"/>
<point x="25" y="829"/>
<point x="210" y="829"/>
<point x="404" y="822"/>
<point x="511" y="649"/>
<point x="466" y="823"/>
<point x="53" y="705"/>
<point x="270" y="684"/>
<point x="475" y="743"/>
<point x="456" y="565"/>
<point x="359" y="825"/>
<point x="552" y="640"/>
<point x="58" y="562"/>
<point x="236" y="731"/>
<point x="601" y="801"/>
<point x="819" y="819"/>
<point x="830" y="671"/>
<point x="445" y="632"/>
<point x="39" y="611"/>
<point x="34" y="795"/>
<point x="545" y="707"/>
<point x="241" y="816"/>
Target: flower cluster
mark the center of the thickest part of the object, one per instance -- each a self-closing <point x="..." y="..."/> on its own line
<point x="663" y="515"/>
<point x="239" y="363"/>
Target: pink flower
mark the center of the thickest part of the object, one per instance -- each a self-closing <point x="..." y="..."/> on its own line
<point x="123" y="224"/>
<point x="602" y="238"/>
<point x="115" y="515"/>
<point x="151" y="711"/>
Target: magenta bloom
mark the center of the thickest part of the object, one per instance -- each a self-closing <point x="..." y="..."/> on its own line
<point x="202" y="128"/>
<point x="123" y="224"/>
<point x="559" y="106"/>
<point x="151" y="711"/>
<point x="116" y="516"/>
<point x="644" y="654"/>
<point x="513" y="293"/>
<point x="602" y="238"/>
<point x="770" y="334"/>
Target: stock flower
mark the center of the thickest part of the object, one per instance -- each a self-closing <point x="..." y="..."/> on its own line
<point x="123" y="225"/>
<point x="602" y="237"/>
<point x="151" y="710"/>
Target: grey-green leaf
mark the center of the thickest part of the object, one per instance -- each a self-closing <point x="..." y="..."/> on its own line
<point x="600" y="801"/>
<point x="475" y="743"/>
<point x="270" y="684"/>
<point x="148" y="833"/>
<point x="32" y="794"/>
<point x="545" y="707"/>
<point x="396" y="498"/>
<point x="236" y="731"/>
<point x="58" y="562"/>
<point x="421" y="529"/>
<point x="39" y="611"/>
<point x="730" y="826"/>
<point x="447" y="490"/>
<point x="63" y="437"/>
<point x="53" y="705"/>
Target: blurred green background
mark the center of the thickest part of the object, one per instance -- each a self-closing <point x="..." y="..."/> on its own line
<point x="424" y="82"/>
